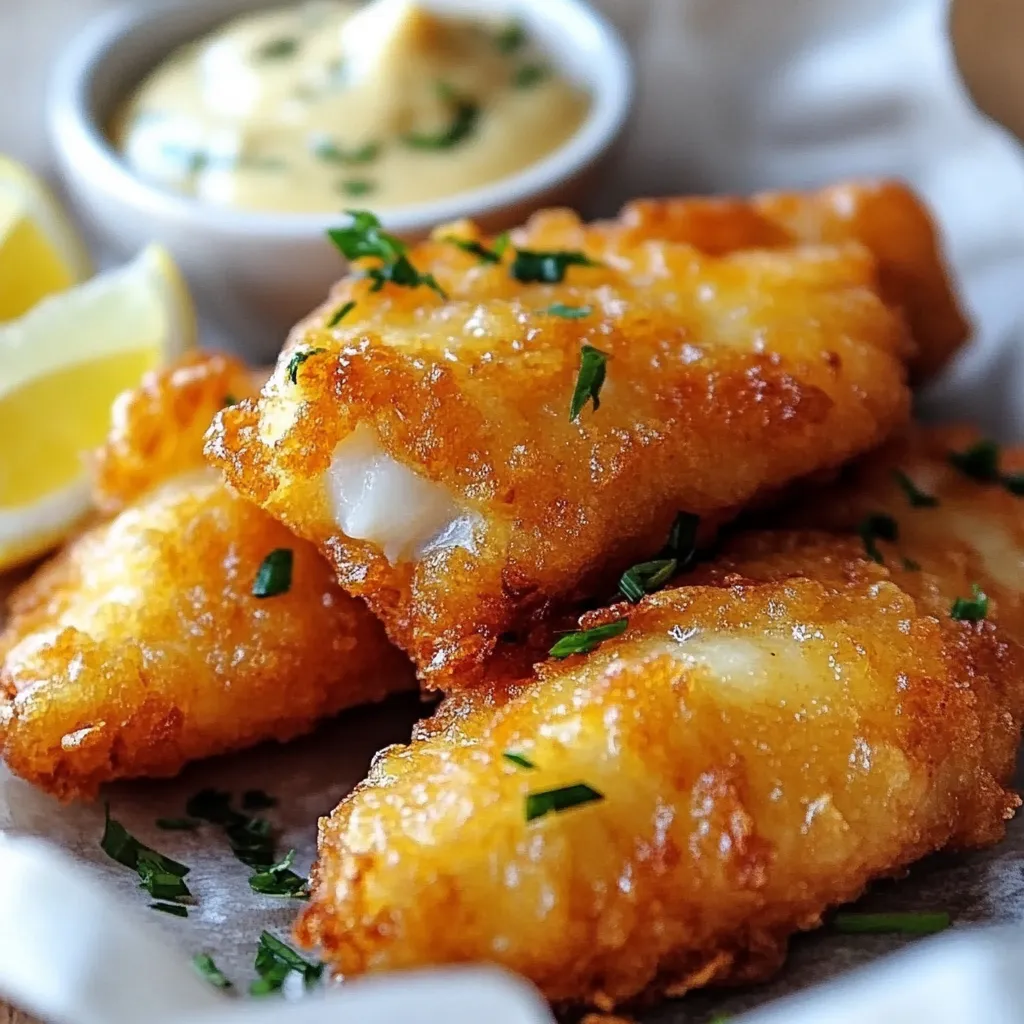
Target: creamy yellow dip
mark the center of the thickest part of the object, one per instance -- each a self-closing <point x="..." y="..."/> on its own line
<point x="326" y="105"/>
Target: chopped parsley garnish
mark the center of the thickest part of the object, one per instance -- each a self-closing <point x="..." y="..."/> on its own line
<point x="584" y="641"/>
<point x="280" y="880"/>
<point x="589" y="380"/>
<point x="339" y="314"/>
<point x="883" y="924"/>
<point x="120" y="845"/>
<point x="529" y="75"/>
<point x="570" y="312"/>
<point x="275" y="574"/>
<point x="204" y="965"/>
<point x="511" y="37"/>
<point x="257" y="800"/>
<point x="229" y="400"/>
<point x="465" y="114"/>
<point x="479" y="250"/>
<point x="554" y="801"/>
<point x="330" y="152"/>
<point x="679" y="553"/>
<point x="251" y="839"/>
<point x="161" y="877"/>
<point x="971" y="609"/>
<point x="916" y="497"/>
<point x="532" y="266"/>
<point x="518" y="759"/>
<point x="278" y="49"/>
<point x="646" y="578"/>
<point x="298" y="358"/>
<point x="212" y="805"/>
<point x="175" y="909"/>
<point x="177" y="824"/>
<point x="980" y="462"/>
<point x="877" y="526"/>
<point x="356" y="187"/>
<point x="192" y="160"/>
<point x="364" y="238"/>
<point x="275" y="960"/>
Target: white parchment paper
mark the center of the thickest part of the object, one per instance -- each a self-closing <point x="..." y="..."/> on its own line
<point x="736" y="95"/>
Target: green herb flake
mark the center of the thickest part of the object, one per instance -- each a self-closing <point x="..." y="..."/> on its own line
<point x="677" y="555"/>
<point x="465" y="115"/>
<point x="521" y="760"/>
<point x="229" y="400"/>
<point x="257" y="800"/>
<point x="646" y="578"/>
<point x="971" y="609"/>
<point x="589" y="380"/>
<point x="206" y="968"/>
<point x="511" y="37"/>
<point x="330" y="152"/>
<point x="174" y="909"/>
<point x="298" y="358"/>
<point x="339" y="314"/>
<point x="584" y="641"/>
<point x="252" y="842"/>
<point x="356" y="187"/>
<point x="364" y="238"/>
<point x="178" y="824"/>
<point x="212" y="805"/>
<point x="118" y="844"/>
<point x="875" y="527"/>
<point x="535" y="267"/>
<point x="570" y="312"/>
<point x="529" y="75"/>
<point x="897" y="923"/>
<point x="275" y="960"/>
<point x="478" y="249"/>
<point x="278" y="49"/>
<point x="910" y="565"/>
<point x="275" y="574"/>
<point x="980" y="462"/>
<point x="916" y="497"/>
<point x="280" y="880"/>
<point x="554" y="801"/>
<point x="158" y="882"/>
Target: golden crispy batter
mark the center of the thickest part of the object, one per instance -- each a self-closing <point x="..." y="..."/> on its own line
<point x="157" y="429"/>
<point x="767" y="741"/>
<point x="974" y="534"/>
<point x="885" y="216"/>
<point x="728" y="376"/>
<point x="141" y="647"/>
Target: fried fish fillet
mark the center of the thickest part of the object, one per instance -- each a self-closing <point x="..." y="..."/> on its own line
<point x="944" y="509"/>
<point x="753" y="750"/>
<point x="141" y="646"/>
<point x="426" y="445"/>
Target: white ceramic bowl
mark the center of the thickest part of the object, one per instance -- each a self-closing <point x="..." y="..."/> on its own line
<point x="255" y="273"/>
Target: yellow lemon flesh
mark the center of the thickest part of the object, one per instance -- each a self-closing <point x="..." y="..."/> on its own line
<point x="40" y="252"/>
<point x="61" y="366"/>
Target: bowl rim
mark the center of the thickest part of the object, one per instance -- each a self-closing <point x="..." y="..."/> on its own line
<point x="88" y="157"/>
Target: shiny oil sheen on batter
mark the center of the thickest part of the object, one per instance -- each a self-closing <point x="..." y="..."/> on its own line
<point x="309" y="108"/>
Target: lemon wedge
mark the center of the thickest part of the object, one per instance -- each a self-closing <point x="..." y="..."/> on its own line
<point x="61" y="366"/>
<point x="40" y="251"/>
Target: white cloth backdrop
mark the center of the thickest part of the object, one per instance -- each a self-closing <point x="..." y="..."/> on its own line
<point x="744" y="94"/>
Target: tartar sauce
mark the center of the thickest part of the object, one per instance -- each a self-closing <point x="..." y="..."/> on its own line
<point x="326" y="105"/>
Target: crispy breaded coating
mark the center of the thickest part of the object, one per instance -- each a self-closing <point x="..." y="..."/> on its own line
<point x="141" y="646"/>
<point x="953" y="531"/>
<point x="766" y="742"/>
<point x="885" y="216"/>
<point x="426" y="446"/>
